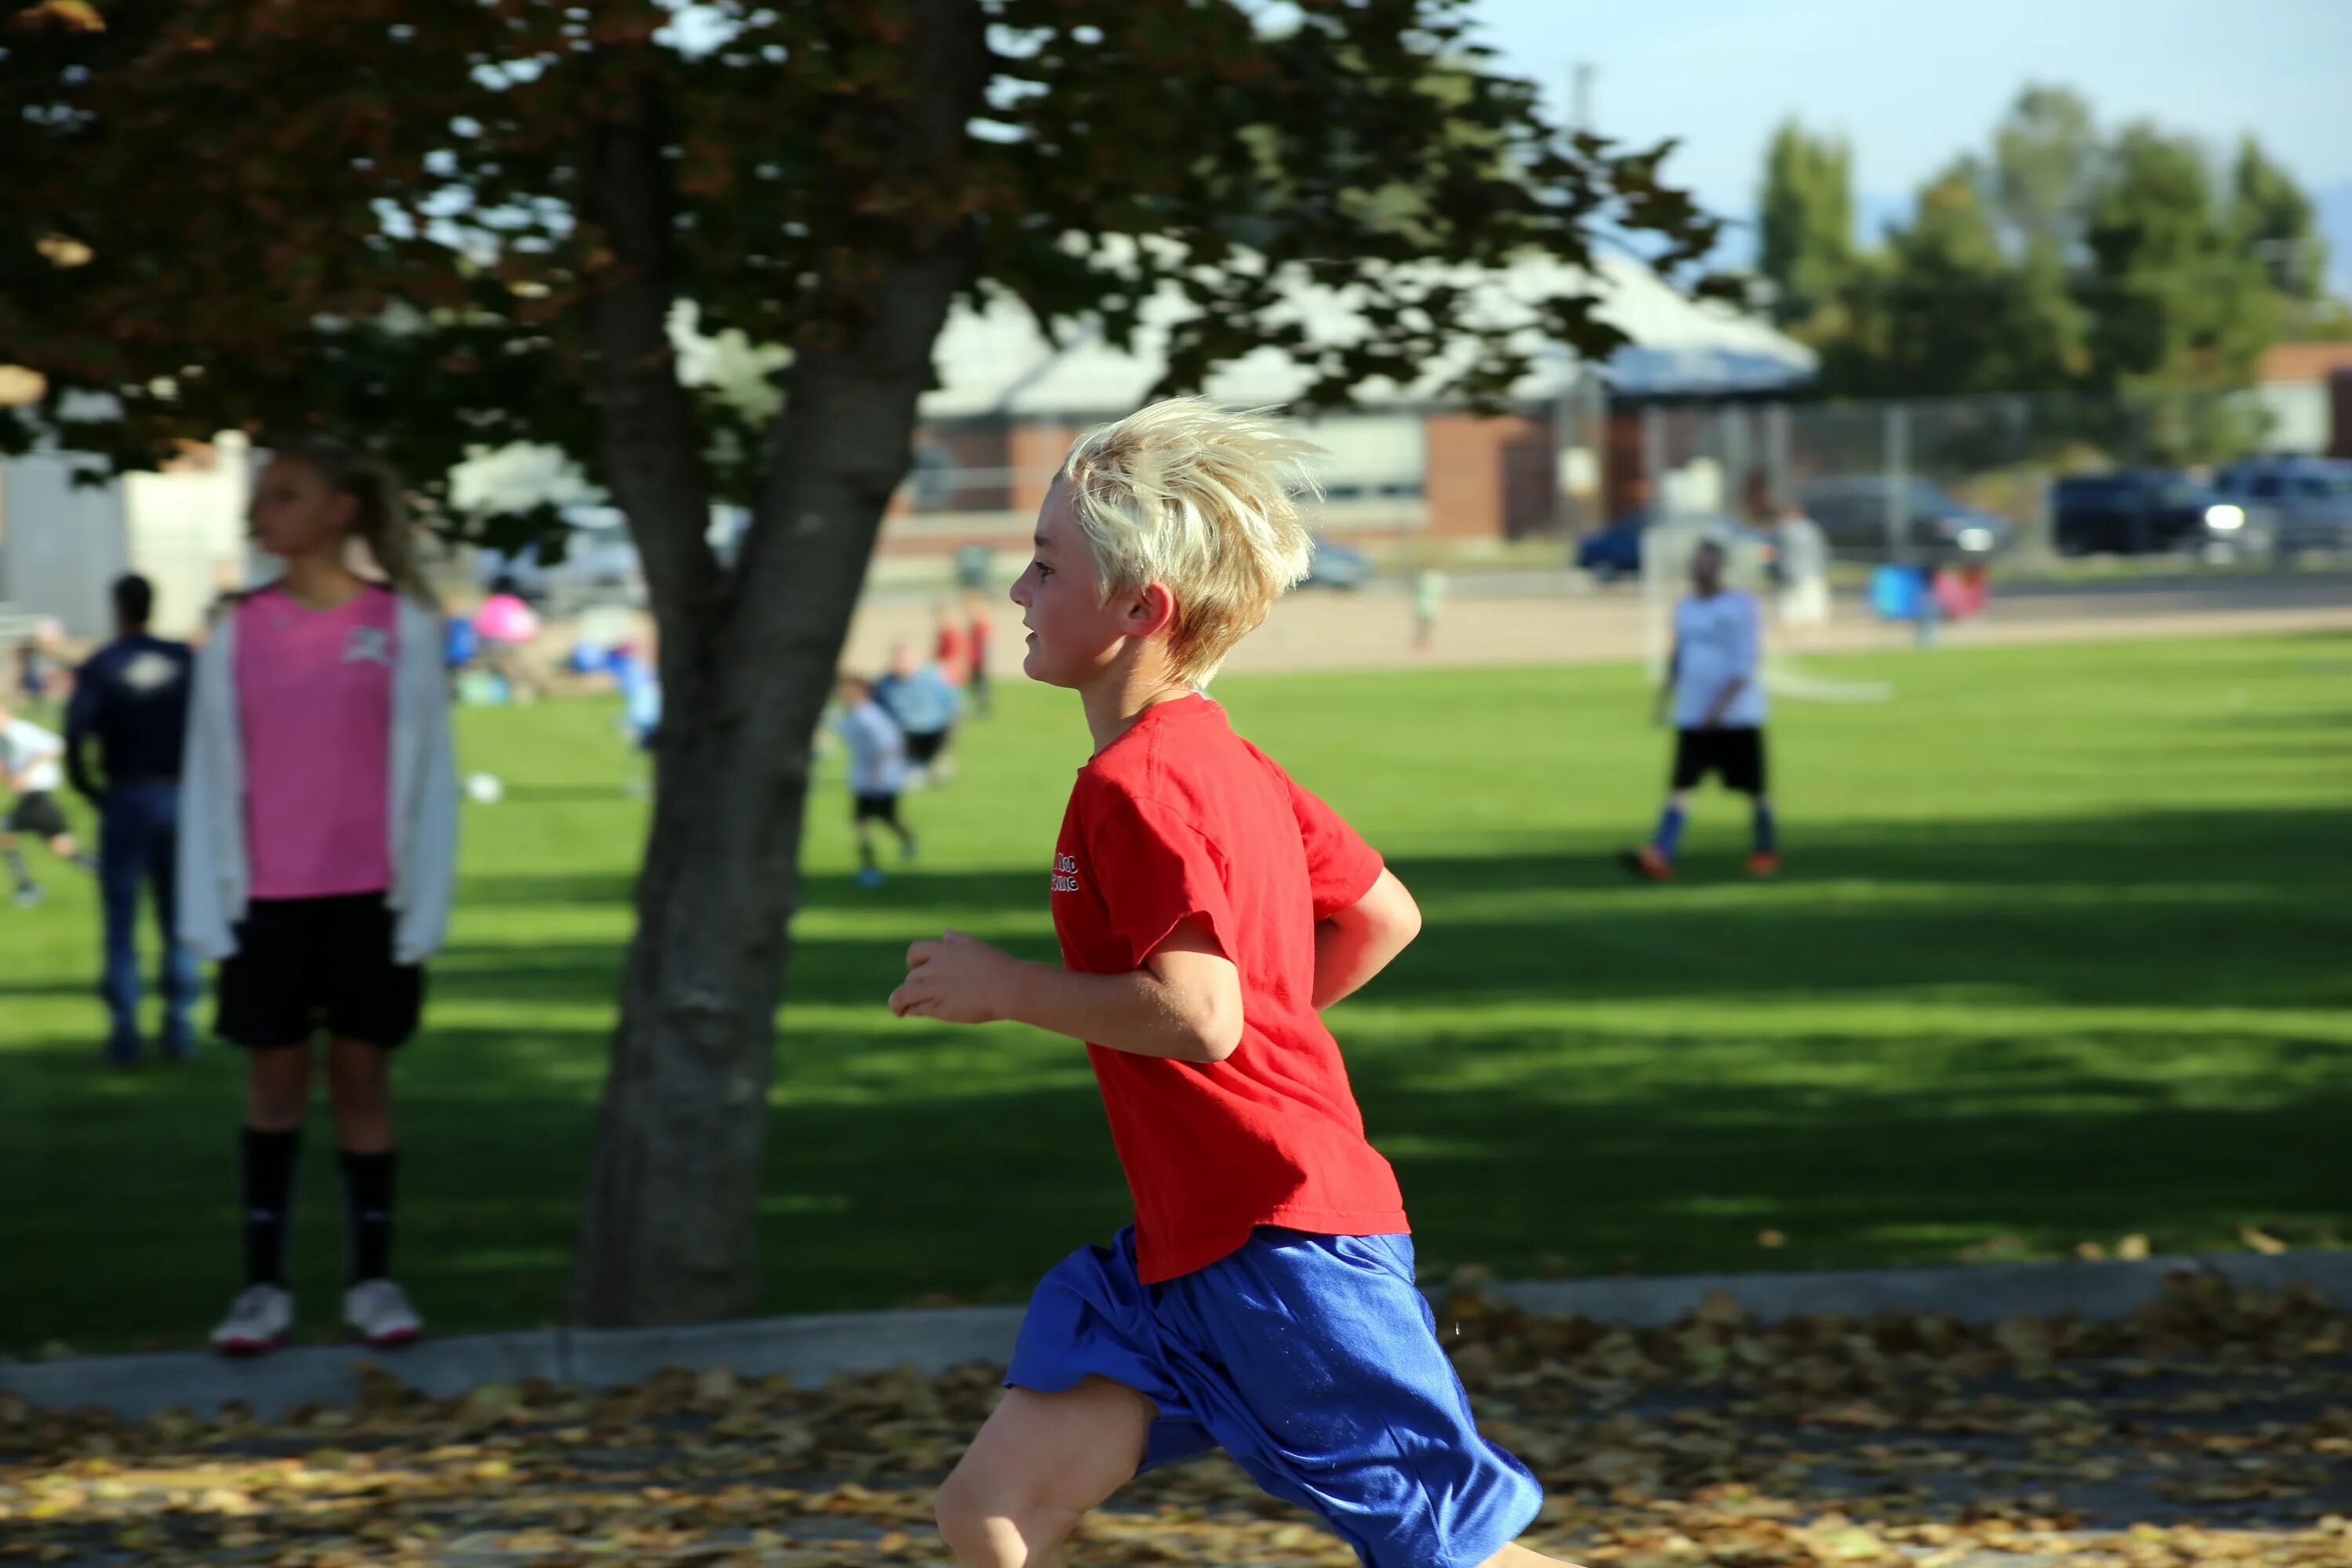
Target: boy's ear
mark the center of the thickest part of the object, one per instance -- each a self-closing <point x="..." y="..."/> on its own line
<point x="1153" y="609"/>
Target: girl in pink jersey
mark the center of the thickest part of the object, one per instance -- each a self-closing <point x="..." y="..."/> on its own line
<point x="317" y="849"/>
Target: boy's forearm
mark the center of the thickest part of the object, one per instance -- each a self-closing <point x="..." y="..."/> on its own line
<point x="1346" y="957"/>
<point x="1355" y="944"/>
<point x="1136" y="1011"/>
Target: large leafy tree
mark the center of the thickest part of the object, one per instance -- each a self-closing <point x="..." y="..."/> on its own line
<point x="2273" y="218"/>
<point x="2174" y="297"/>
<point x="1944" y="307"/>
<point x="2065" y="259"/>
<point x="454" y="224"/>
<point x="2046" y="166"/>
<point x="1805" y="239"/>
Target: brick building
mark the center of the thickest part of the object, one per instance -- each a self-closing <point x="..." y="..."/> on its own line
<point x="1403" y="461"/>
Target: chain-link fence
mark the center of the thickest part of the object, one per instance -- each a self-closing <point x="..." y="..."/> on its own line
<point x="1912" y="481"/>
<point x="2032" y="475"/>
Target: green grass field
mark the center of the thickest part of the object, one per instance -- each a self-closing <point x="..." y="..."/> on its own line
<point x="2060" y="955"/>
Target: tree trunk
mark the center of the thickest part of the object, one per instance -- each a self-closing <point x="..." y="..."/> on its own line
<point x="747" y="661"/>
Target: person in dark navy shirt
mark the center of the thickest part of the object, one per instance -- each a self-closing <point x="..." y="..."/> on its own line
<point x="131" y="700"/>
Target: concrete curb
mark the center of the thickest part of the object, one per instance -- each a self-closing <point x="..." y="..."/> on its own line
<point x="816" y="1347"/>
<point x="1974" y="1293"/>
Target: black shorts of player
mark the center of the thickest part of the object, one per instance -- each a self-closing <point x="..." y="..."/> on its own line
<point x="35" y="813"/>
<point x="1734" y="756"/>
<point x="923" y="747"/>
<point x="875" y="808"/>
<point x="304" y="964"/>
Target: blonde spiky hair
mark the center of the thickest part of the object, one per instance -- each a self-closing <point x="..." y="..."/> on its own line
<point x="1204" y="500"/>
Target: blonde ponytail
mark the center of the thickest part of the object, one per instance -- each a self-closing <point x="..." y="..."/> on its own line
<point x="380" y="516"/>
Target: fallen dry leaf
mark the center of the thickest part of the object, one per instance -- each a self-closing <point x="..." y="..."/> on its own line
<point x="2266" y="1245"/>
<point x="2214" y="1428"/>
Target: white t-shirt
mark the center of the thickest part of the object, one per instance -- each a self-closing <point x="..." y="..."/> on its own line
<point x="24" y="744"/>
<point x="877" y="751"/>
<point x="1717" y="639"/>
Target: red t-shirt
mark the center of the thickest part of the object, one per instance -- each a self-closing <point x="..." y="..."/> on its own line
<point x="1179" y="818"/>
<point x="948" y="651"/>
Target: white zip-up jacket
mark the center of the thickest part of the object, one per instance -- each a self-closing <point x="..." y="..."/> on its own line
<point x="215" y="873"/>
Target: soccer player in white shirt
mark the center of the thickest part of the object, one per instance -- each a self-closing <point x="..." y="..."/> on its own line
<point x="1716" y="686"/>
<point x="29" y="765"/>
<point x="877" y="773"/>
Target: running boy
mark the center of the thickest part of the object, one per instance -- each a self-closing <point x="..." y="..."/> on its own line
<point x="31" y="763"/>
<point x="1208" y="909"/>
<point x="877" y="773"/>
<point x="1715" y="685"/>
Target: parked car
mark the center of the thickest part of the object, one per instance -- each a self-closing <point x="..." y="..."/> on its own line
<point x="1615" y="551"/>
<point x="2307" y="501"/>
<point x="1336" y="565"/>
<point x="2141" y="511"/>
<point x="1934" y="527"/>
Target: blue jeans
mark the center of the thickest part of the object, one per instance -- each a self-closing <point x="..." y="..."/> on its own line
<point x="138" y="844"/>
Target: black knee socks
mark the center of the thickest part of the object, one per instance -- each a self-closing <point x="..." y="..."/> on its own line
<point x="367" y="1211"/>
<point x="270" y="1159"/>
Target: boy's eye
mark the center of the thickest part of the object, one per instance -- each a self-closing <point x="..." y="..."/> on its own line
<point x="1043" y="570"/>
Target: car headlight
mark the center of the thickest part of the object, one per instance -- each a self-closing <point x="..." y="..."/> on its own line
<point x="1974" y="538"/>
<point x="2225" y="518"/>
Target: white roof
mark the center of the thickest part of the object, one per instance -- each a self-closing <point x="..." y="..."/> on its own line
<point x="993" y="359"/>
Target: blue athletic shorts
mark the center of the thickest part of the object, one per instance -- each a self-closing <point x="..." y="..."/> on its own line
<point x="1314" y="1361"/>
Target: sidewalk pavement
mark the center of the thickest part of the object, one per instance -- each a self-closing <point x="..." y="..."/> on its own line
<point x="816" y="1347"/>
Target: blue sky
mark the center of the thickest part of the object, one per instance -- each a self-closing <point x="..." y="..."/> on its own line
<point x="1911" y="86"/>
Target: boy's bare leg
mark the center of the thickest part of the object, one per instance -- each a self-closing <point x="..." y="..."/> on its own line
<point x="1518" y="1556"/>
<point x="1040" y="1462"/>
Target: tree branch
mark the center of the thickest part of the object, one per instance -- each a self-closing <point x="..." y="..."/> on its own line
<point x="650" y="444"/>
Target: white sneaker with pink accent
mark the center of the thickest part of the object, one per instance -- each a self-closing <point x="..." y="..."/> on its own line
<point x="379" y="1313"/>
<point x="258" y="1322"/>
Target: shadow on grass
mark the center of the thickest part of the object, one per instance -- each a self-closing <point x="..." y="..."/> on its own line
<point x="907" y="1159"/>
<point x="925" y="1160"/>
<point x="2186" y="908"/>
<point x="25" y="990"/>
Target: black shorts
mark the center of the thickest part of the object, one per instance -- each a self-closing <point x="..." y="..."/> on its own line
<point x="923" y="748"/>
<point x="1734" y="756"/>
<point x="302" y="965"/>
<point x="36" y="813"/>
<point x="875" y="808"/>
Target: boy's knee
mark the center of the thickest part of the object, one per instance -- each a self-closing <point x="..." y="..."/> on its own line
<point x="961" y="1510"/>
<point x="985" y="1520"/>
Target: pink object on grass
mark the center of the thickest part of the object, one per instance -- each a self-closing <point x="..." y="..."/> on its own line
<point x="505" y="618"/>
